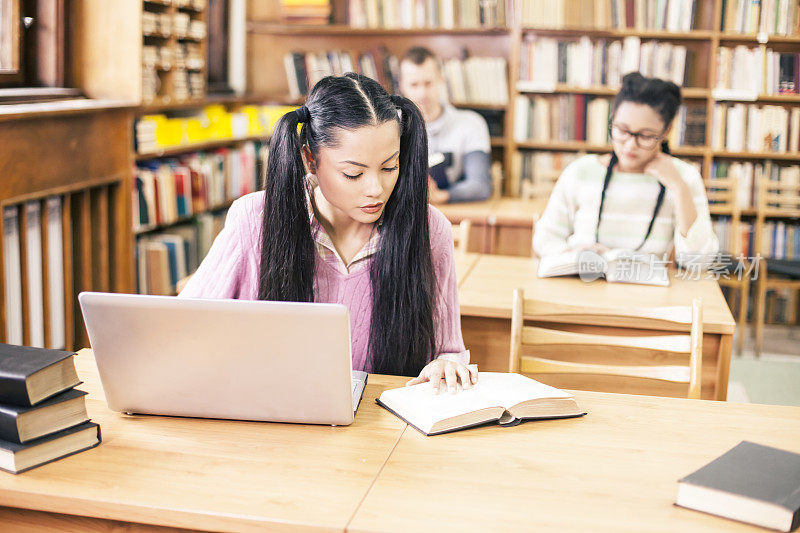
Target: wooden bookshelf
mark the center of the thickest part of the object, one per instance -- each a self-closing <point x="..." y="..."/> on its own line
<point x="694" y="35"/>
<point x="777" y="156"/>
<point x="341" y="30"/>
<point x="155" y="228"/>
<point x="194" y="147"/>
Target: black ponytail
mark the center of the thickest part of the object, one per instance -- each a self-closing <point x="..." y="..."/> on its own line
<point x="287" y="250"/>
<point x="402" y="336"/>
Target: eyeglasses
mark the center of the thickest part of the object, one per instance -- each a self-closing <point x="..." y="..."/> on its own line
<point x="643" y="141"/>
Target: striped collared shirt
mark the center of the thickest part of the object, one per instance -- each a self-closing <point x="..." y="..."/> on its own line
<point x="324" y="244"/>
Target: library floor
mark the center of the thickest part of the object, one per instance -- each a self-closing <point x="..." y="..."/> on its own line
<point x="774" y="378"/>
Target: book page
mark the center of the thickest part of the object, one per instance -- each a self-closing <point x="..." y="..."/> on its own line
<point x="509" y="390"/>
<point x="630" y="267"/>
<point x="421" y="407"/>
<point x="563" y="264"/>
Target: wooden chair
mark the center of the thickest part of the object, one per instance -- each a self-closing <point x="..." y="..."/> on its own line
<point x="775" y="199"/>
<point x="541" y="337"/>
<point x="541" y="186"/>
<point x="496" y="174"/>
<point x="723" y="200"/>
<point x="461" y="236"/>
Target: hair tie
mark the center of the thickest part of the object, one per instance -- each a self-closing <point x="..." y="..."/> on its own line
<point x="397" y="100"/>
<point x="302" y="114"/>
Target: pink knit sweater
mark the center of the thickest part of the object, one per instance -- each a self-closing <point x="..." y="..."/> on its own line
<point x="230" y="270"/>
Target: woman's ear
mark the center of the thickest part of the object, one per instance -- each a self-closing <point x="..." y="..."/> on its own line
<point x="308" y="159"/>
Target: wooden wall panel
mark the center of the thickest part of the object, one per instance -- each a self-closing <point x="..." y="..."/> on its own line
<point x="49" y="153"/>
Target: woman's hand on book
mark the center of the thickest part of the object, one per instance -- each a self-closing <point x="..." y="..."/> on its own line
<point x="455" y="375"/>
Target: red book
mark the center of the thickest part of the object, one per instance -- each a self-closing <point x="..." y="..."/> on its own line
<point x="580" y="117"/>
<point x="630" y="20"/>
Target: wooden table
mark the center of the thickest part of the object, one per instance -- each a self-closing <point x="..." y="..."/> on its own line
<point x="212" y="474"/>
<point x="499" y="226"/>
<point x="485" y="297"/>
<point x="613" y="470"/>
<point x="464" y="265"/>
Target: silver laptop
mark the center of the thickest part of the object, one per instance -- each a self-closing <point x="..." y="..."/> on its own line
<point x="237" y="359"/>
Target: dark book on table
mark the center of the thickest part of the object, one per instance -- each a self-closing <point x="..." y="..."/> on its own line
<point x="29" y="375"/>
<point x="16" y="458"/>
<point x="62" y="411"/>
<point x="750" y="483"/>
<point x="438" y="164"/>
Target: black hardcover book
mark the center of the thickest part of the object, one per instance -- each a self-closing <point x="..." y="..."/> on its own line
<point x="21" y="424"/>
<point x="30" y="375"/>
<point x="750" y="483"/>
<point x="300" y="71"/>
<point x="16" y="458"/>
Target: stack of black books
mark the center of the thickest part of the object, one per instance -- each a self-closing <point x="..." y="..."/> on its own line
<point x="42" y="415"/>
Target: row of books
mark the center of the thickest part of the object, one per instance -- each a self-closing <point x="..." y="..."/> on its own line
<point x="168" y="190"/>
<point x="560" y="118"/>
<point x="38" y="255"/>
<point x="723" y="228"/>
<point x="163" y="259"/>
<point x="578" y="117"/>
<point x="768" y="17"/>
<point x="748" y="174"/>
<point x="305" y="11"/>
<point x="305" y="69"/>
<point x="779" y="240"/>
<point x="180" y="25"/>
<point x="756" y="71"/>
<point x="213" y="123"/>
<point x="188" y="84"/>
<point x="42" y="416"/>
<point x="669" y="15"/>
<point x="539" y="170"/>
<point x="474" y="80"/>
<point x="477" y="80"/>
<point x="182" y="55"/>
<point x="780" y="306"/>
<point x="745" y="175"/>
<point x="547" y="61"/>
<point x="407" y="14"/>
<point x="756" y="128"/>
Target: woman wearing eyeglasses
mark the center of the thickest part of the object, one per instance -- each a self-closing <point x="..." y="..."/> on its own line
<point x="637" y="198"/>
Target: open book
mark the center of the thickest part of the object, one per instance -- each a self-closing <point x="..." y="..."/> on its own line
<point x="623" y="266"/>
<point x="505" y="398"/>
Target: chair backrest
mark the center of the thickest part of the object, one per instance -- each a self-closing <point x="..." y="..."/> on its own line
<point x="777" y="198"/>
<point x="541" y="337"/>
<point x="496" y="173"/>
<point x="461" y="236"/>
<point x="540" y="186"/>
<point x="723" y="199"/>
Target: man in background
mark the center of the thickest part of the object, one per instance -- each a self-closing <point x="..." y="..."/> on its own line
<point x="458" y="140"/>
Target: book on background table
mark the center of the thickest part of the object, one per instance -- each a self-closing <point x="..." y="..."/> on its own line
<point x="507" y="399"/>
<point x="616" y="266"/>
<point x="438" y="164"/>
<point x="16" y="458"/>
<point x="750" y="483"/>
<point x="62" y="411"/>
<point x="30" y="375"/>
